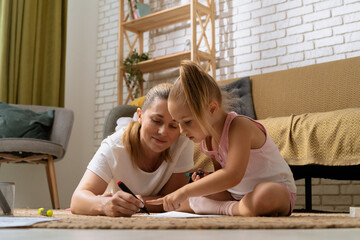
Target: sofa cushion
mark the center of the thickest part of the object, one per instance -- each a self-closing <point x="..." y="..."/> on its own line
<point x="240" y="91"/>
<point x="22" y="123"/>
<point x="323" y="138"/>
<point x="241" y="103"/>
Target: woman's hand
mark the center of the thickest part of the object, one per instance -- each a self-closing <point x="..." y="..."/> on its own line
<point x="120" y="204"/>
<point x="89" y="199"/>
<point x="172" y="201"/>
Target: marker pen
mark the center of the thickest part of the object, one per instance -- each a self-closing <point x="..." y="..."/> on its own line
<point x="45" y="212"/>
<point x="199" y="173"/>
<point x="123" y="187"/>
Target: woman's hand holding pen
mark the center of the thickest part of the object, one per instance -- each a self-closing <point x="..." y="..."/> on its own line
<point x="120" y="204"/>
<point x="172" y="201"/>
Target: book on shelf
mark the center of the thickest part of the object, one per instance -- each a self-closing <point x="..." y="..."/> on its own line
<point x="138" y="9"/>
<point x="142" y="9"/>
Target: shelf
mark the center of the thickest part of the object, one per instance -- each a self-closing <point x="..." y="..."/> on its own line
<point x="163" y="18"/>
<point x="169" y="61"/>
<point x="198" y="14"/>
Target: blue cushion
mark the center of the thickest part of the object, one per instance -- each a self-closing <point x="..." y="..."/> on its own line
<point x="20" y="123"/>
<point x="240" y="91"/>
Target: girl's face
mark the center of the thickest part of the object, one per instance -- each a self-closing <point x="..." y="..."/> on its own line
<point x="189" y="127"/>
<point x="158" y="129"/>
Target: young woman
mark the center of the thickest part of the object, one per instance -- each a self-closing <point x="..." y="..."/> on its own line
<point x="147" y="154"/>
<point x="252" y="179"/>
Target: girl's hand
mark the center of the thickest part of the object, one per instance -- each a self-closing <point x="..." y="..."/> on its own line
<point x="121" y="204"/>
<point x="200" y="173"/>
<point x="170" y="202"/>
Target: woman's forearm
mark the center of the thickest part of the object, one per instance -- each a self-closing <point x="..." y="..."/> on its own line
<point x="85" y="202"/>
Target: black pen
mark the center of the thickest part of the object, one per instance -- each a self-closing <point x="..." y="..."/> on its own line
<point x="123" y="187"/>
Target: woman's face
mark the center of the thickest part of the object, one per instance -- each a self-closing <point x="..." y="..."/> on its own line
<point x="158" y="129"/>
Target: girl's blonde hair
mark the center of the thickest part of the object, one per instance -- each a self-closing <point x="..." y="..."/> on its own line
<point x="131" y="136"/>
<point x="198" y="88"/>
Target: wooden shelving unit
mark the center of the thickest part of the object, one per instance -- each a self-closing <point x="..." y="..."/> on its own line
<point x="192" y="11"/>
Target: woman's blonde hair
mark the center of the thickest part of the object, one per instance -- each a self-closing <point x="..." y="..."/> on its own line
<point x="131" y="136"/>
<point x="198" y="88"/>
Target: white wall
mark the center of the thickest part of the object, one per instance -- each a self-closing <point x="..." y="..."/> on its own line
<point x="30" y="180"/>
<point x="79" y="93"/>
<point x="252" y="37"/>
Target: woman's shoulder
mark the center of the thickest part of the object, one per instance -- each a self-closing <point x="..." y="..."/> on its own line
<point x="114" y="139"/>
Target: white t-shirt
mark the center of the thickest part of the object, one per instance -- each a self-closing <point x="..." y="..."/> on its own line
<point x="112" y="161"/>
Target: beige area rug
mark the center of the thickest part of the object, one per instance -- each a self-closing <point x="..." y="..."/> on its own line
<point x="296" y="220"/>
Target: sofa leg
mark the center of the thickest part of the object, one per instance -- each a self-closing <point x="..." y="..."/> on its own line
<point x="308" y="194"/>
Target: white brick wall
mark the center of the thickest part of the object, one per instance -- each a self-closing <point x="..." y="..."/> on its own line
<point x="252" y="37"/>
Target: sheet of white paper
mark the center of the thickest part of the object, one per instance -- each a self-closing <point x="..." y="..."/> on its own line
<point x="175" y="214"/>
<point x="6" y="222"/>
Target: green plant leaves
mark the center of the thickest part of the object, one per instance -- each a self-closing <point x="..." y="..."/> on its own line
<point x="134" y="77"/>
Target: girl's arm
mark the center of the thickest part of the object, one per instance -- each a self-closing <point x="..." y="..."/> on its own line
<point x="88" y="199"/>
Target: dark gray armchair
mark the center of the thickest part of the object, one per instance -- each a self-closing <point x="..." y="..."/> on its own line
<point x="114" y="114"/>
<point x="30" y="150"/>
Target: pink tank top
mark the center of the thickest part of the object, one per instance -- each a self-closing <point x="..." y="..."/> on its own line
<point x="265" y="163"/>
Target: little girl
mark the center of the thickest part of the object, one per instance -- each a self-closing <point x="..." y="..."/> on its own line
<point x="251" y="177"/>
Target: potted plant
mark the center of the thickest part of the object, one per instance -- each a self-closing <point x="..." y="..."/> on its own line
<point x="134" y="76"/>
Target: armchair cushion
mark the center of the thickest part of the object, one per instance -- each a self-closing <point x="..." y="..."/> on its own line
<point x="20" y="123"/>
<point x="28" y="145"/>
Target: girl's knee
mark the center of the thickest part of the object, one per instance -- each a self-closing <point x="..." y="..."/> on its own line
<point x="267" y="199"/>
<point x="270" y="191"/>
